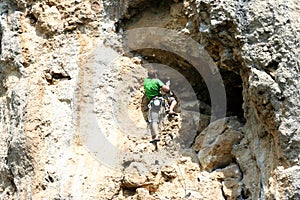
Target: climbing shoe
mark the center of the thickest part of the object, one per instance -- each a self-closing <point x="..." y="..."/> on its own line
<point x="155" y="140"/>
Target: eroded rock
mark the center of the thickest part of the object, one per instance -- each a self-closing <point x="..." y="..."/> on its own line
<point x="216" y="141"/>
<point x="135" y="175"/>
<point x="255" y="44"/>
<point x="49" y="20"/>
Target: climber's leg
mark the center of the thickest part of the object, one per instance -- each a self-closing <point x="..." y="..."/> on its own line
<point x="154" y="130"/>
<point x="154" y="115"/>
<point x="172" y="106"/>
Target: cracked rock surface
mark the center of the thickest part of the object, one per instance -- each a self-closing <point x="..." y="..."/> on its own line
<point x="72" y="111"/>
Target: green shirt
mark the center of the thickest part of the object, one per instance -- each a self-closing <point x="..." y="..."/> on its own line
<point x="152" y="87"/>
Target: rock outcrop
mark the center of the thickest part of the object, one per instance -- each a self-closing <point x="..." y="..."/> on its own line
<point x="215" y="143"/>
<point x="72" y="115"/>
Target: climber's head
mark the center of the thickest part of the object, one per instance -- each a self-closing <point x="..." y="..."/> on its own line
<point x="152" y="73"/>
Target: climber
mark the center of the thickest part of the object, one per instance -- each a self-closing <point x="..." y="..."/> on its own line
<point x="153" y="87"/>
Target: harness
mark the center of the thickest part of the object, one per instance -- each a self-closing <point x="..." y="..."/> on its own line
<point x="156" y="102"/>
<point x="159" y="104"/>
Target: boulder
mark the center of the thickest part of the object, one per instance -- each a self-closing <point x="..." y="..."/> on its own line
<point x="214" y="144"/>
<point x="135" y="175"/>
<point x="231" y="181"/>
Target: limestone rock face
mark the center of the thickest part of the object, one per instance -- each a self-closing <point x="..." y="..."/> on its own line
<point x="231" y="181"/>
<point x="214" y="144"/>
<point x="73" y="120"/>
<point x="249" y="39"/>
<point x="134" y="178"/>
<point x="49" y="20"/>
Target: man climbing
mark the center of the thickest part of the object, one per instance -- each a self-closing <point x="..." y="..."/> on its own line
<point x="153" y="87"/>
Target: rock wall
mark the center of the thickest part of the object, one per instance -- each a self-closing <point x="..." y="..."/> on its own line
<point x="58" y="86"/>
<point x="259" y="40"/>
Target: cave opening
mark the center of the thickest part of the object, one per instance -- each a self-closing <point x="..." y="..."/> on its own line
<point x="172" y="15"/>
<point x="231" y="80"/>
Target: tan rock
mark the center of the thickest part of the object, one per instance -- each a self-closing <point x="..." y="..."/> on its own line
<point x="209" y="187"/>
<point x="231" y="178"/>
<point x="49" y="21"/>
<point x="215" y="143"/>
<point x="168" y="172"/>
<point x="42" y="153"/>
<point x="135" y="176"/>
<point x="142" y="194"/>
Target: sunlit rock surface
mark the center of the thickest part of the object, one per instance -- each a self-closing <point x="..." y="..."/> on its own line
<point x="72" y="115"/>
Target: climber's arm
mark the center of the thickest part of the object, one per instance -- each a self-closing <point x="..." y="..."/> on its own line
<point x="166" y="87"/>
